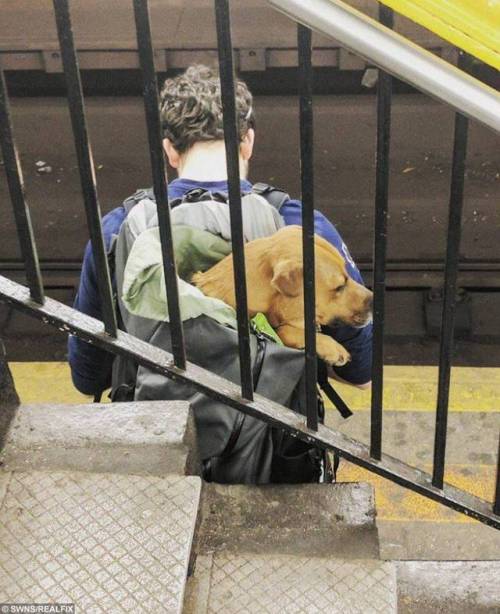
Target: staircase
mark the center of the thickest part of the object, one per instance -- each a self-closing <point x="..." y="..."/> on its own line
<point x="100" y="506"/>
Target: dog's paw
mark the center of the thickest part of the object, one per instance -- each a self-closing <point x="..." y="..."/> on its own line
<point x="341" y="359"/>
<point x="332" y="352"/>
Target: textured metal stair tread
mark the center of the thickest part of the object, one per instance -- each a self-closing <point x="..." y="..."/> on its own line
<point x="258" y="584"/>
<point x="104" y="542"/>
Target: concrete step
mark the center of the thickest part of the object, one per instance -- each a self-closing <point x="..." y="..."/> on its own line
<point x="233" y="583"/>
<point x="288" y="548"/>
<point x="448" y="587"/>
<point x="152" y="438"/>
<point x="107" y="543"/>
<point x="412" y="527"/>
<point x="307" y="519"/>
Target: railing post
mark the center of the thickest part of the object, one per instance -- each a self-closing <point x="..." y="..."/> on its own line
<point x="15" y="182"/>
<point x="384" y="100"/>
<point x="85" y="161"/>
<point x="151" y="105"/>
<point x="304" y="45"/>
<point x="232" y="140"/>
<point x="450" y="288"/>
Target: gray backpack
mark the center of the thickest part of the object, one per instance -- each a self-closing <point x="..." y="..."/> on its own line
<point x="233" y="447"/>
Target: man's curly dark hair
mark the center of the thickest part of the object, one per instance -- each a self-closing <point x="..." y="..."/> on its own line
<point x="191" y="108"/>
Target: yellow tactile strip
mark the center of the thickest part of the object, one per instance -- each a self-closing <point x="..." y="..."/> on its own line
<point x="415" y="389"/>
<point x="46" y="382"/>
<point x="405" y="388"/>
<point x="394" y="502"/>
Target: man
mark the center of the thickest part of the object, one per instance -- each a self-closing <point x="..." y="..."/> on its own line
<point x="193" y="129"/>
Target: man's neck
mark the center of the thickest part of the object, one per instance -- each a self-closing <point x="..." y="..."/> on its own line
<point x="207" y="162"/>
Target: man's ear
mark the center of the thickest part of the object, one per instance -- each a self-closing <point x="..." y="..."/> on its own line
<point x="246" y="145"/>
<point x="288" y="277"/>
<point x="173" y="155"/>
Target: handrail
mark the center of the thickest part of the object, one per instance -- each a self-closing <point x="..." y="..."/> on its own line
<point x="398" y="56"/>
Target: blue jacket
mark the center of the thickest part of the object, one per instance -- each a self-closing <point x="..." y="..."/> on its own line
<point x="91" y="366"/>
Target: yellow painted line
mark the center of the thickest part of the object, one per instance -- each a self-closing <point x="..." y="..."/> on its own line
<point x="394" y="502"/>
<point x="46" y="382"/>
<point x="472" y="25"/>
<point x="414" y="388"/>
<point x="405" y="388"/>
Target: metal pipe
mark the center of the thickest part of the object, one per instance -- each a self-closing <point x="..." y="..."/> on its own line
<point x="450" y="288"/>
<point x="304" y="44"/>
<point x="151" y="106"/>
<point x="398" y="56"/>
<point x="15" y="182"/>
<point x="232" y="140"/>
<point x="384" y="99"/>
<point x="85" y="162"/>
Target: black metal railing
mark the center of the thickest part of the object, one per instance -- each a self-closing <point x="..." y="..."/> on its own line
<point x="231" y="137"/>
<point x="384" y="99"/>
<point x="106" y="335"/>
<point x="304" y="45"/>
<point x="160" y="188"/>
<point x="85" y="161"/>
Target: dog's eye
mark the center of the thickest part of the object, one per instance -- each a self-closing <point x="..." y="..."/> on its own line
<point x="340" y="288"/>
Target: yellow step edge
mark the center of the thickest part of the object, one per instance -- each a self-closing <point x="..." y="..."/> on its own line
<point x="405" y="388"/>
<point x="471" y="25"/>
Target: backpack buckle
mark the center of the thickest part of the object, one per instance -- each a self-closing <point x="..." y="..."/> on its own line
<point x="196" y="195"/>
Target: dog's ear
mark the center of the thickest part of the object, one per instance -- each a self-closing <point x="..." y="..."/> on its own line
<point x="288" y="277"/>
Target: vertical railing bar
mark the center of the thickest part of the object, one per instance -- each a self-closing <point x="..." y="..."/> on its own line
<point x="450" y="283"/>
<point x="384" y="102"/>
<point x="231" y="138"/>
<point x="160" y="186"/>
<point x="85" y="161"/>
<point x="15" y="182"/>
<point x="304" y="46"/>
<point x="496" y="505"/>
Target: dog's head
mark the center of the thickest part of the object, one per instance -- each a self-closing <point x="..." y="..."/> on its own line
<point x="338" y="296"/>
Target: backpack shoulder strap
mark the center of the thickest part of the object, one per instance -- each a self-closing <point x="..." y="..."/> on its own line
<point x="131" y="201"/>
<point x="331" y="393"/>
<point x="274" y="196"/>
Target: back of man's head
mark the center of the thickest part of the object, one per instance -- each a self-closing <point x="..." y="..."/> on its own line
<point x="191" y="108"/>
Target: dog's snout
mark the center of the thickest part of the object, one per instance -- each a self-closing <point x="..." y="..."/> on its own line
<point x="369" y="302"/>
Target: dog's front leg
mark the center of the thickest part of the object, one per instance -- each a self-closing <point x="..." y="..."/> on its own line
<point x="292" y="336"/>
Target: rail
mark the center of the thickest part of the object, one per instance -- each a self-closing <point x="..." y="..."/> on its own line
<point x="31" y="299"/>
<point x="398" y="56"/>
